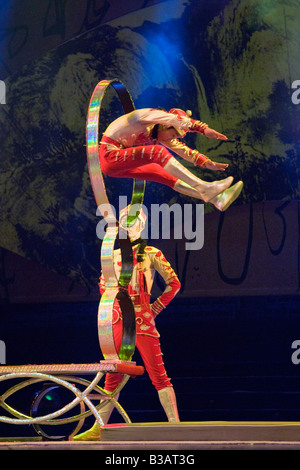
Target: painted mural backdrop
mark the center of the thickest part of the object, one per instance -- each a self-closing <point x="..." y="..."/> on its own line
<point x="234" y="63"/>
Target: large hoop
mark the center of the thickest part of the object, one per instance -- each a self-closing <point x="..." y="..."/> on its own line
<point x="116" y="288"/>
<point x="92" y="140"/>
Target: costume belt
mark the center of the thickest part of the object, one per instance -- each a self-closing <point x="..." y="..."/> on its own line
<point x="110" y="143"/>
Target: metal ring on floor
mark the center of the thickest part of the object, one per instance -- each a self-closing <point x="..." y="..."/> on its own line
<point x="92" y="391"/>
<point x="34" y="412"/>
<point x="21" y="418"/>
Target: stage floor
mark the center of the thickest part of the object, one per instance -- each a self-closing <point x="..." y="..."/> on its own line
<point x="213" y="435"/>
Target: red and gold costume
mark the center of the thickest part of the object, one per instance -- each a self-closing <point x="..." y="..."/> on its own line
<point x="129" y="150"/>
<point x="147" y="336"/>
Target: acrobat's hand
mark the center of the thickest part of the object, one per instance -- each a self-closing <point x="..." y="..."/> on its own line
<point x="156" y="307"/>
<point x="215" y="166"/>
<point x="212" y="134"/>
<point x="205" y="162"/>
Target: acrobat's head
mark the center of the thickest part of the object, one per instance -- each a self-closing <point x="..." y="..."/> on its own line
<point x="180" y="114"/>
<point x="135" y="230"/>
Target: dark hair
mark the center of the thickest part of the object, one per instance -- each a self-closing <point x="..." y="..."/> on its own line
<point x="154" y="131"/>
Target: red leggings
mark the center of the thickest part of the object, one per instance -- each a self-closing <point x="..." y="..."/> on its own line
<point x="144" y="162"/>
<point x="150" y="351"/>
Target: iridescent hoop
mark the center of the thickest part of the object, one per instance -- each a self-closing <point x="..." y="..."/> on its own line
<point x="116" y="288"/>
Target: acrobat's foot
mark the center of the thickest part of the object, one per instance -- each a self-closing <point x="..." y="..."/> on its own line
<point x="209" y="191"/>
<point x="93" y="434"/>
<point x="226" y="198"/>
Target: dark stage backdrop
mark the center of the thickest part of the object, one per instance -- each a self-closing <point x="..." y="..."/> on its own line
<point x="234" y="63"/>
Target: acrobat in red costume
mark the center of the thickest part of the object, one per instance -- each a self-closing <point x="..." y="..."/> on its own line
<point x="136" y="145"/>
<point x="148" y="261"/>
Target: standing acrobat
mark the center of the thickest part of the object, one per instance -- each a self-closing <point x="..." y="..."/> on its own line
<point x="147" y="261"/>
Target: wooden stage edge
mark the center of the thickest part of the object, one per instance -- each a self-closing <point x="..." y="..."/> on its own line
<point x="214" y="435"/>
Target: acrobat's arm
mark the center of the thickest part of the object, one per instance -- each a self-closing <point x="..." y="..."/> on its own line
<point x="201" y="128"/>
<point x="193" y="156"/>
<point x="163" y="267"/>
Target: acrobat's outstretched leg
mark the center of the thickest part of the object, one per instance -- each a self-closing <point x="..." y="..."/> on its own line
<point x="218" y="192"/>
<point x="221" y="201"/>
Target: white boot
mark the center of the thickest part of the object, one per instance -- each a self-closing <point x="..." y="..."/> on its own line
<point x="184" y="188"/>
<point x="94" y="433"/>
<point x="206" y="191"/>
<point x="167" y="399"/>
<point x="222" y="201"/>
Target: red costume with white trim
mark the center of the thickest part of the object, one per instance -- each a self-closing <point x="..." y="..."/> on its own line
<point x="147" y="336"/>
<point x="128" y="149"/>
